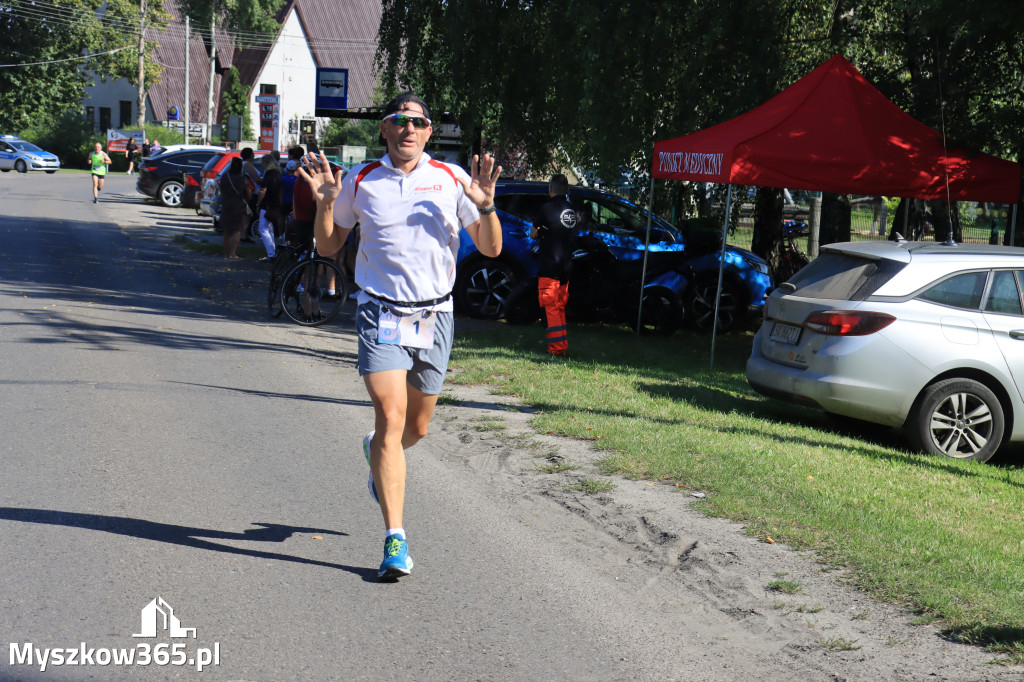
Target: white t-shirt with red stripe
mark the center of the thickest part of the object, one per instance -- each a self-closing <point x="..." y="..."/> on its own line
<point x="408" y="227"/>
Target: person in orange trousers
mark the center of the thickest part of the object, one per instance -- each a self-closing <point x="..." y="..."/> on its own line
<point x="555" y="231"/>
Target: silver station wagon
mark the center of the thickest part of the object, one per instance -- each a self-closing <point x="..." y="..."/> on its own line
<point x="920" y="335"/>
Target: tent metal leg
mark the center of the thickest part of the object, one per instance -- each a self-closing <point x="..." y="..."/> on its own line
<point x="647" y="246"/>
<point x="1013" y="225"/>
<point x="721" y="273"/>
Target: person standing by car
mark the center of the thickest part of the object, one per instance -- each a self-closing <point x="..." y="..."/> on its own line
<point x="253" y="175"/>
<point x="270" y="206"/>
<point x="555" y="232"/>
<point x="146" y="148"/>
<point x="130" y="151"/>
<point x="156" y="147"/>
<point x="98" y="162"/>
<point x="410" y="209"/>
<point x="234" y="213"/>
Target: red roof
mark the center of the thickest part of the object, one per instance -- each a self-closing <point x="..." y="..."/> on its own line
<point x="833" y="131"/>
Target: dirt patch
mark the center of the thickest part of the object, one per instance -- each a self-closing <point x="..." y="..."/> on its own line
<point x="787" y="609"/>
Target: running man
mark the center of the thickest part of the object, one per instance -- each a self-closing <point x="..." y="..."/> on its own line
<point x="98" y="162"/>
<point x="410" y="209"/>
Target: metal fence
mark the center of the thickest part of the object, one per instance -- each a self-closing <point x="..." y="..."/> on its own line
<point x="871" y="218"/>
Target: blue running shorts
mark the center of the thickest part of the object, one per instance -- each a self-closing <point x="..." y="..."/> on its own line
<point x="426" y="367"/>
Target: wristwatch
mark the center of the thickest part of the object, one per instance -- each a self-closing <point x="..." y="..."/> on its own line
<point x="490" y="209"/>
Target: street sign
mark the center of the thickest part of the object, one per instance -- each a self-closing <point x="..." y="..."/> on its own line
<point x="234" y="128"/>
<point x="331" y="92"/>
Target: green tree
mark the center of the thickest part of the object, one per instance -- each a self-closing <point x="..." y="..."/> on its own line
<point x="351" y="132"/>
<point x="46" y="48"/>
<point x="596" y="83"/>
<point x="235" y="102"/>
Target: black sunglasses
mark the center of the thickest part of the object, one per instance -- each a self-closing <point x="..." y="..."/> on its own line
<point x="402" y="120"/>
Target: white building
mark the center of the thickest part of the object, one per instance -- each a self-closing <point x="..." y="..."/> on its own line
<point x="324" y="33"/>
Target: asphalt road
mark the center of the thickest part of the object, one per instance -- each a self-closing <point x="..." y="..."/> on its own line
<point x="158" y="445"/>
<point x="182" y="478"/>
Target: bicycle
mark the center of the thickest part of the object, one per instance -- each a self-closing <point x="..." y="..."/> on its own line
<point x="287" y="256"/>
<point x="791" y="258"/>
<point x="304" y="290"/>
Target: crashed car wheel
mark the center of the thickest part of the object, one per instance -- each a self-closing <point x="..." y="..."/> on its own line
<point x="700" y="304"/>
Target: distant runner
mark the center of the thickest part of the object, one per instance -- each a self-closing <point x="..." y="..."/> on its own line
<point x="98" y="162"/>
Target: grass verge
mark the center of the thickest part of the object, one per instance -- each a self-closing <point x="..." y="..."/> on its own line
<point x="938" y="535"/>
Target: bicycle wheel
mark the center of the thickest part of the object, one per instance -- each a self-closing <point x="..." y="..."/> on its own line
<point x="305" y="296"/>
<point x="286" y="258"/>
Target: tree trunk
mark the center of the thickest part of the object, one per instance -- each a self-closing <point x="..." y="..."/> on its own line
<point x="767" y="241"/>
<point x="835" y="218"/>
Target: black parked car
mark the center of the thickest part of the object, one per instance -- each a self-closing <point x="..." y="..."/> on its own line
<point x="163" y="177"/>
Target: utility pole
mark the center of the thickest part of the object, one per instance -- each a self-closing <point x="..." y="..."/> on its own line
<point x="213" y="68"/>
<point x="188" y="38"/>
<point x="142" y="65"/>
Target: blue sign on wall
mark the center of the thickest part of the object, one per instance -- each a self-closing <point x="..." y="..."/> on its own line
<point x="331" y="91"/>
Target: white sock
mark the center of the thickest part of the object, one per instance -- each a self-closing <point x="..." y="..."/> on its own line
<point x="331" y="292"/>
<point x="394" y="531"/>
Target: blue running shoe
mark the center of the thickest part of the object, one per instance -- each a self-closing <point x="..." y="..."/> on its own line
<point x="366" y="451"/>
<point x="397" y="561"/>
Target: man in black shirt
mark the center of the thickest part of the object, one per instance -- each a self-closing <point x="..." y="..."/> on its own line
<point x="555" y="231"/>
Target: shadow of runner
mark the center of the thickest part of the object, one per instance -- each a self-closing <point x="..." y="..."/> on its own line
<point x="184" y="535"/>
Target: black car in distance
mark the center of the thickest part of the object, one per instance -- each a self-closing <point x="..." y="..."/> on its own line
<point x="163" y="177"/>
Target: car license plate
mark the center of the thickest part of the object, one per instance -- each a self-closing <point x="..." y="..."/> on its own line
<point x="784" y="333"/>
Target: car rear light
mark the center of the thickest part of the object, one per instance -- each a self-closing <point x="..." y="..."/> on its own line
<point x="149" y="169"/>
<point x="847" y="322"/>
<point x="190" y="181"/>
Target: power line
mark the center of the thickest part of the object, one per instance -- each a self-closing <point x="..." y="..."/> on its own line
<point x="43" y="12"/>
<point x="69" y="59"/>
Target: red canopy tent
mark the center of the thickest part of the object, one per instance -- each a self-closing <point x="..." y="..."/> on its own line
<point x="835" y="132"/>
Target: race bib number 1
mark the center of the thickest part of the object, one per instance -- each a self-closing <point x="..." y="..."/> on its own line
<point x="411" y="331"/>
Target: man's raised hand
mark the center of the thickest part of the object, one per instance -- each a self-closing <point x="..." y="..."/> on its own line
<point x="326" y="185"/>
<point x="484" y="174"/>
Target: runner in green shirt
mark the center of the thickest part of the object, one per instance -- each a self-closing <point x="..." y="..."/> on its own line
<point x="98" y="162"/>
